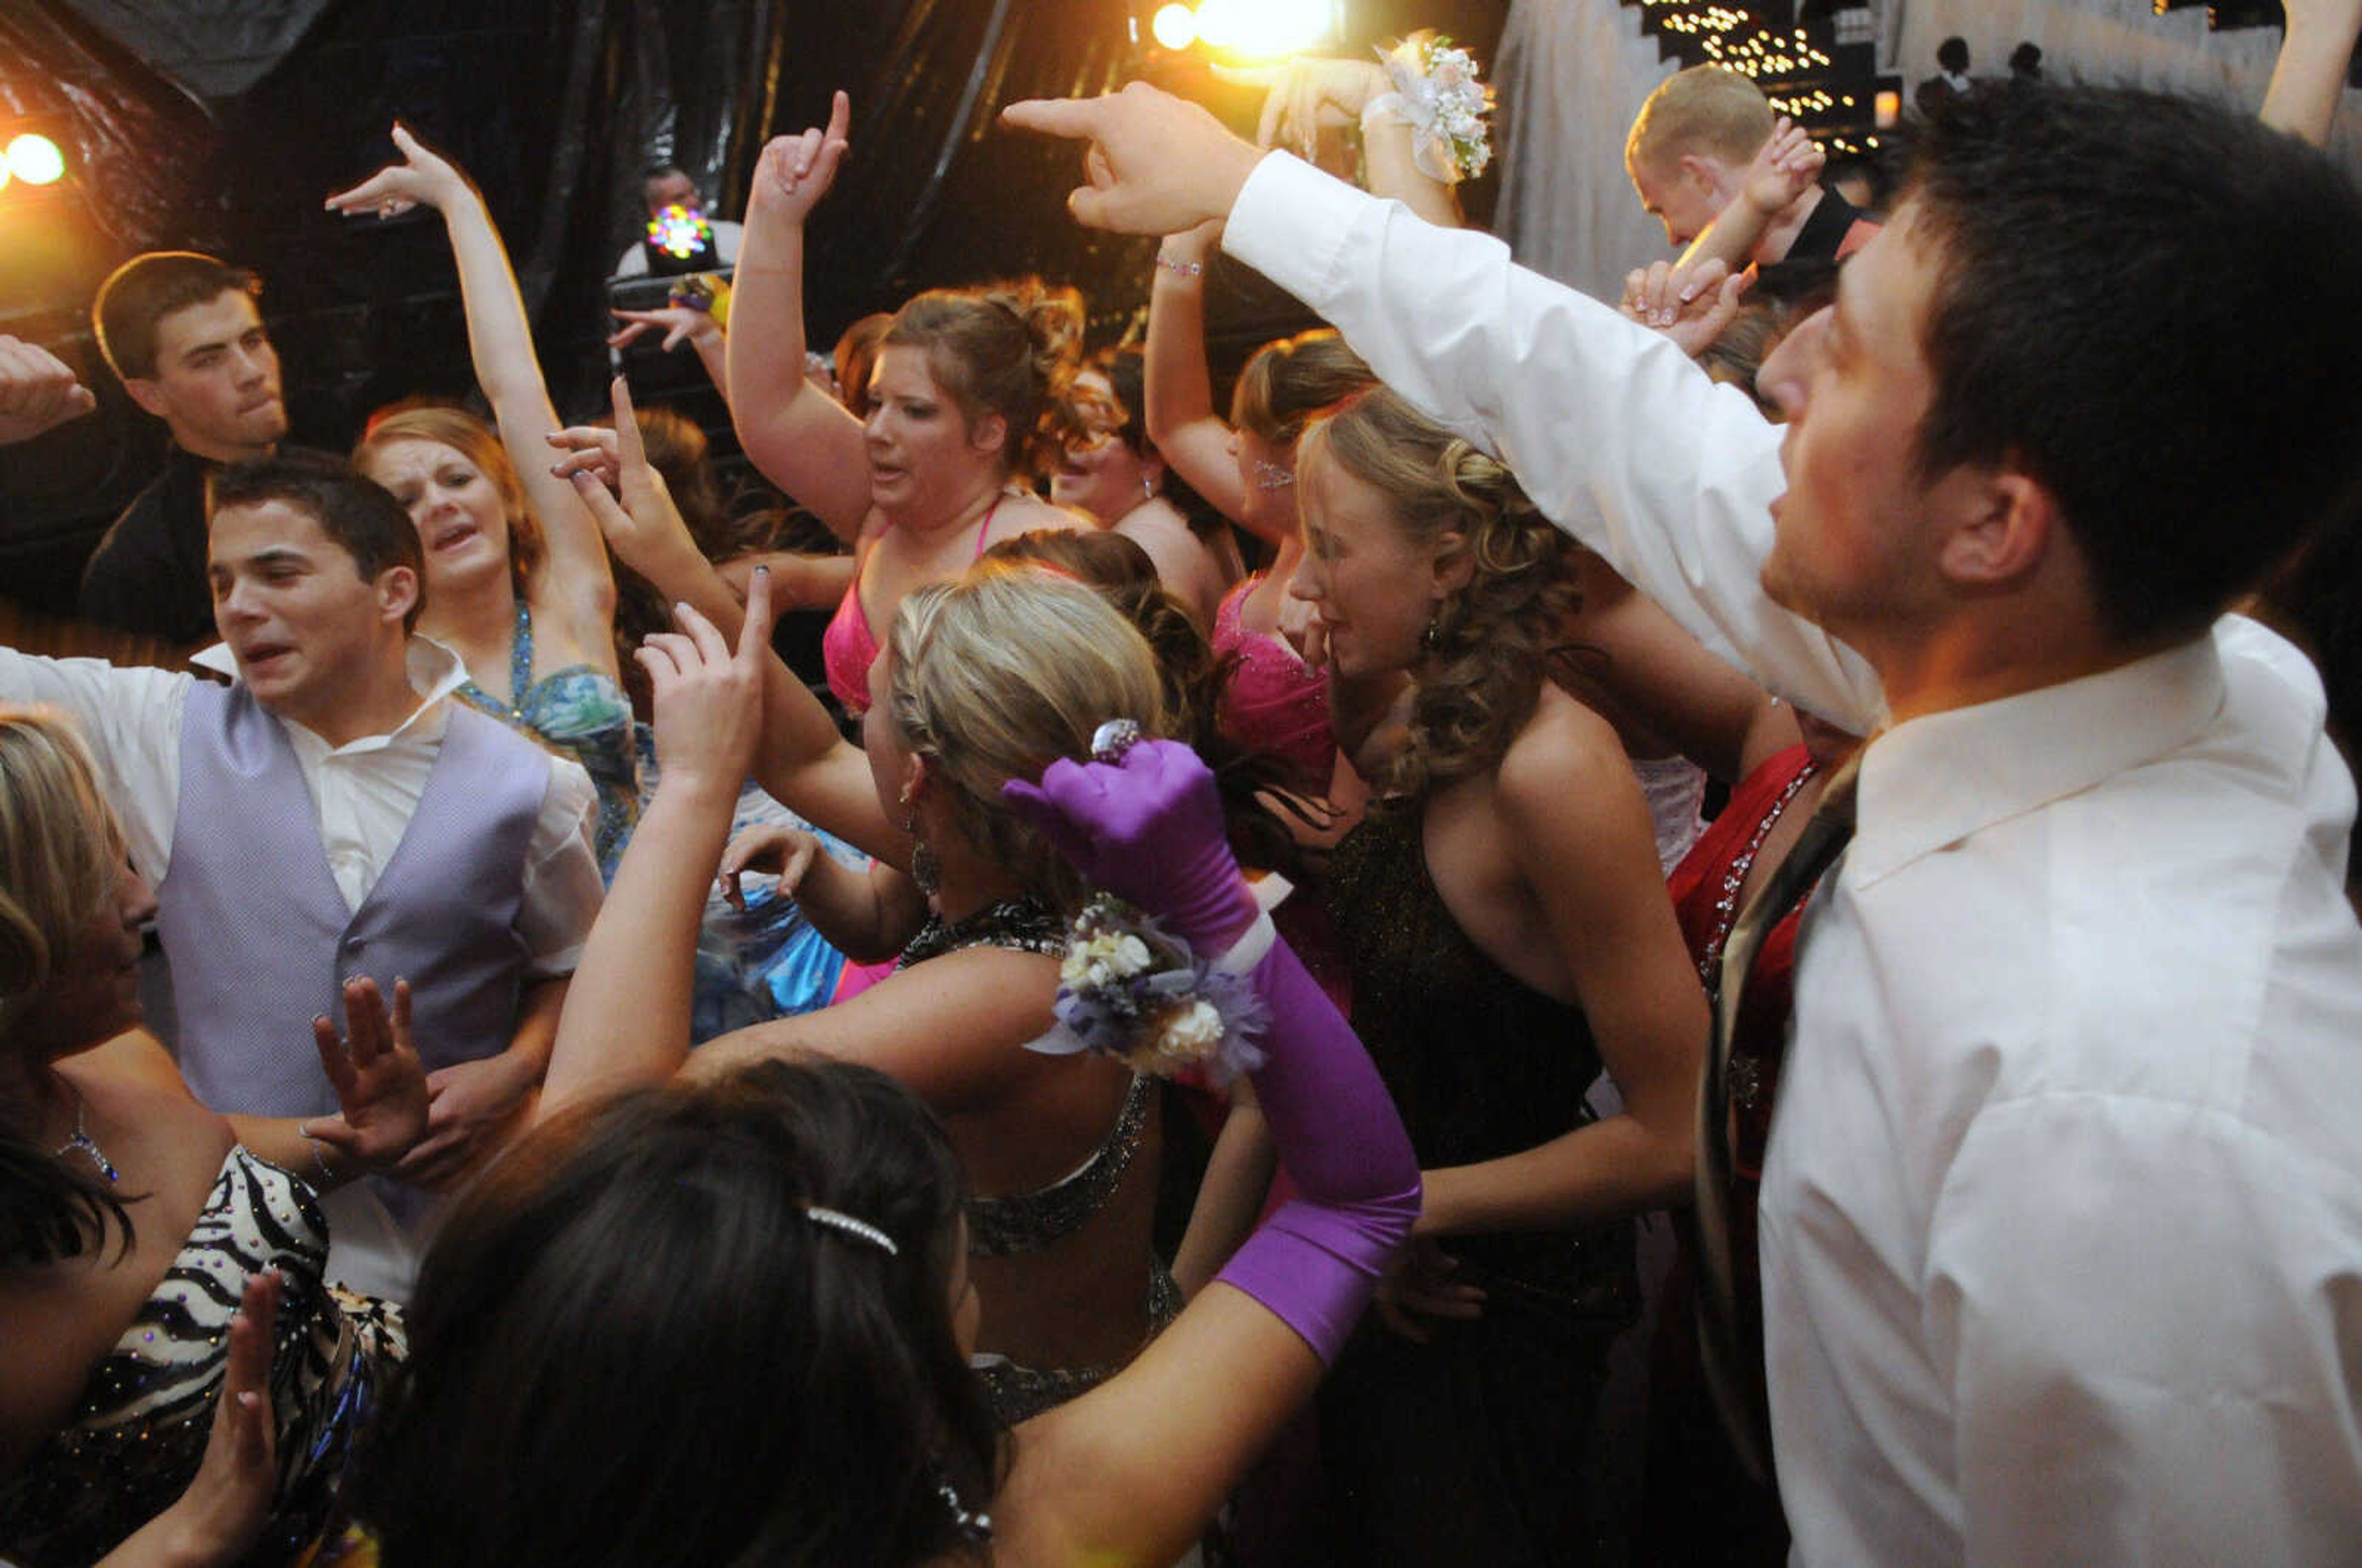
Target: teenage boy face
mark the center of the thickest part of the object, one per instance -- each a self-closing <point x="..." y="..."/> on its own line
<point x="217" y="380"/>
<point x="309" y="632"/>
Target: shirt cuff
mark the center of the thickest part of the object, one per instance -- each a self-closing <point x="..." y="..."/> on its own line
<point x="553" y="966"/>
<point x="1291" y="222"/>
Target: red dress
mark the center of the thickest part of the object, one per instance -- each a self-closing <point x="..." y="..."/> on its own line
<point x="1701" y="1507"/>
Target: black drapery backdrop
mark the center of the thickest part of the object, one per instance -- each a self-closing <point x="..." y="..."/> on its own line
<point x="222" y="128"/>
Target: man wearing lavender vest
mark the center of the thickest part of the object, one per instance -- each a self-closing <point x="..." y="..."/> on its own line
<point x="330" y="815"/>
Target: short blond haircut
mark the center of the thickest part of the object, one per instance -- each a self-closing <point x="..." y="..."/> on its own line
<point x="999" y="675"/>
<point x="61" y="853"/>
<point x="1707" y="109"/>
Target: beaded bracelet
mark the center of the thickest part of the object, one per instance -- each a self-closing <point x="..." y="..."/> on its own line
<point x="1179" y="269"/>
<point x="319" y="1160"/>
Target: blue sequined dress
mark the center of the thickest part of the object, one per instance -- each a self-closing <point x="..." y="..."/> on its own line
<point x="583" y="712"/>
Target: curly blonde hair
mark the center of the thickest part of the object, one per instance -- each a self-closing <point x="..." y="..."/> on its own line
<point x="1489" y="645"/>
<point x="998" y="675"/>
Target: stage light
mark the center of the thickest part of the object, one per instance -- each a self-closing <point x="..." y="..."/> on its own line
<point x="1265" y="30"/>
<point x="36" y="159"/>
<point x="1175" y="25"/>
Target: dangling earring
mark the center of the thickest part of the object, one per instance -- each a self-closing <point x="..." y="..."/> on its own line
<point x="926" y="871"/>
<point x="1147" y="487"/>
<point x="1430" y="636"/>
<point x="972" y="1525"/>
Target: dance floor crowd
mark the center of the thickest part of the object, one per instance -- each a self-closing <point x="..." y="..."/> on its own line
<point x="1182" y="1035"/>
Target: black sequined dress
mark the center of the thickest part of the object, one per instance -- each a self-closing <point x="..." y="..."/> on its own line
<point x="1468" y="1448"/>
<point x="139" y="1431"/>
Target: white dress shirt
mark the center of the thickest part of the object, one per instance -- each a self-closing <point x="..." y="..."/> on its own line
<point x="363" y="791"/>
<point x="2062" y="1220"/>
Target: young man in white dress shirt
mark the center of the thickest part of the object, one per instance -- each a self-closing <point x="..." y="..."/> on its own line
<point x="2062" y="1220"/>
<point x="332" y="815"/>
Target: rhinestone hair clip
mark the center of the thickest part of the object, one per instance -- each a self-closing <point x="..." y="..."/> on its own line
<point x="859" y="1230"/>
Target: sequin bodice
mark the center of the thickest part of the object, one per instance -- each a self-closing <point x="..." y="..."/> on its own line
<point x="139" y="1429"/>
<point x="583" y="712"/>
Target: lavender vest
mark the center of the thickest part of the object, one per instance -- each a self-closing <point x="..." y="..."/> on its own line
<point x="256" y="932"/>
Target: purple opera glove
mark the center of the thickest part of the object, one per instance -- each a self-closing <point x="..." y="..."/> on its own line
<point x="1315" y="1261"/>
<point x="1149" y="829"/>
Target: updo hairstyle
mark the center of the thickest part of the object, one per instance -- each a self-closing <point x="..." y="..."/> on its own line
<point x="1289" y="380"/>
<point x="1008" y="349"/>
<point x="996" y="675"/>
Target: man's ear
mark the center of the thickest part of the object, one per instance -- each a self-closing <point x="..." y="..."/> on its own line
<point x="1704" y="172"/>
<point x="397" y="592"/>
<point x="1999" y="526"/>
<point x="149" y="395"/>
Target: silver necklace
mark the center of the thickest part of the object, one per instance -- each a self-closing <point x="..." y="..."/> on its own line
<point x="84" y="1143"/>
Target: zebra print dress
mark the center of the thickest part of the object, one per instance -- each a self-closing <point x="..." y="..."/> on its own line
<point x="139" y="1431"/>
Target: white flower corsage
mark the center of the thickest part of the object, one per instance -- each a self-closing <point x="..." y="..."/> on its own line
<point x="1436" y="92"/>
<point x="1128" y="990"/>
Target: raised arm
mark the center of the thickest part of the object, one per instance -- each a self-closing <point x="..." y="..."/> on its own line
<point x="2309" y="78"/>
<point x="801" y="760"/>
<point x="681" y="324"/>
<point x="500" y="343"/>
<point x="1618" y="437"/>
<point x="1312" y="93"/>
<point x="804" y="440"/>
<point x="1182" y="422"/>
<point x="1131" y="1471"/>
<point x="1785" y="168"/>
<point x="626" y="1017"/>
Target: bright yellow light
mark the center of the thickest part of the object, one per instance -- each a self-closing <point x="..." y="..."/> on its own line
<point x="1266" y="29"/>
<point x="35" y="160"/>
<point x="1175" y="25"/>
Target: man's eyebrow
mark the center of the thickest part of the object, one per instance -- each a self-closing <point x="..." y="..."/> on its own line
<point x="270" y="555"/>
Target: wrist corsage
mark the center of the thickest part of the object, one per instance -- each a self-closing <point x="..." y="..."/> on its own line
<point x="1438" y="92"/>
<point x="1128" y="990"/>
<point x="703" y="291"/>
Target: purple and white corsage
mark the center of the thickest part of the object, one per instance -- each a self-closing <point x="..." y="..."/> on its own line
<point x="1129" y="989"/>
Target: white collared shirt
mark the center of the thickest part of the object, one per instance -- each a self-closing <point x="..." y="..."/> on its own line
<point x="2062" y="1219"/>
<point x="363" y="791"/>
